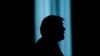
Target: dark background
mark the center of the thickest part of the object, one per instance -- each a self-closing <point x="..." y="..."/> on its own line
<point x="85" y="27"/>
<point x="18" y="27"/>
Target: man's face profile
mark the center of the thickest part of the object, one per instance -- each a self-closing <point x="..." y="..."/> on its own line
<point x="52" y="26"/>
<point x="60" y="31"/>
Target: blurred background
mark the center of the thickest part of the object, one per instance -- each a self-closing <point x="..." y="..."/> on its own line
<point x="19" y="19"/>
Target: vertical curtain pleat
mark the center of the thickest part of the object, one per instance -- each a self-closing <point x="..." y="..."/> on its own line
<point x="66" y="44"/>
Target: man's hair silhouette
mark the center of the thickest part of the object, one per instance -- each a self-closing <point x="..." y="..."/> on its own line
<point x="52" y="32"/>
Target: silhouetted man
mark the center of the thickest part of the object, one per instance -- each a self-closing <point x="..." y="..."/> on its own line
<point x="52" y="32"/>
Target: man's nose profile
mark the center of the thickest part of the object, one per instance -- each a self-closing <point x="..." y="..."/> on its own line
<point x="52" y="32"/>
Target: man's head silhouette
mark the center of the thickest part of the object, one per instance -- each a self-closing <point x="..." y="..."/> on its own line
<point x="52" y="28"/>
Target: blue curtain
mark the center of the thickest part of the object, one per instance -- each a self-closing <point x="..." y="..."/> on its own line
<point x="62" y="8"/>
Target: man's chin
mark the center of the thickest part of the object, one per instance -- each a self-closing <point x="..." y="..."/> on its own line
<point x="61" y="38"/>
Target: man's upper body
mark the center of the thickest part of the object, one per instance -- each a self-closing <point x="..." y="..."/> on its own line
<point x="46" y="47"/>
<point x="52" y="32"/>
